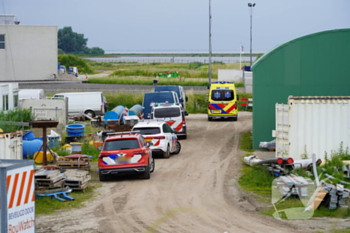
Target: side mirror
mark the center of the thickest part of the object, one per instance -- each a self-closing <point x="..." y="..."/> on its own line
<point x="186" y="98"/>
<point x="186" y="113"/>
<point x="237" y="97"/>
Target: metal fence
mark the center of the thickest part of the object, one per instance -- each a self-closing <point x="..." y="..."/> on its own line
<point x="172" y="59"/>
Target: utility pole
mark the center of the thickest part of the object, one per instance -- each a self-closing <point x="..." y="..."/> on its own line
<point x="209" y="70"/>
<point x="251" y="5"/>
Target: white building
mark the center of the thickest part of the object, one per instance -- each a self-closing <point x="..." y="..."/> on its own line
<point x="8" y="96"/>
<point x="27" y="52"/>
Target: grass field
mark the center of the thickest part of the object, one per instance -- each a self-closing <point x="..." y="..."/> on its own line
<point x="191" y="74"/>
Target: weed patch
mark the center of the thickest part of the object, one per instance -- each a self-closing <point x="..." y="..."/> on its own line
<point x="15" y="115"/>
<point x="47" y="205"/>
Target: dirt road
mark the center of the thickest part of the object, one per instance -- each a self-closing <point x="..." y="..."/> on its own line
<point x="194" y="191"/>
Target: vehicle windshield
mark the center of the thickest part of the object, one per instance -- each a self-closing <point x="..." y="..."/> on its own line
<point x="123" y="144"/>
<point x="166" y="112"/>
<point x="148" y="131"/>
<point x="222" y="95"/>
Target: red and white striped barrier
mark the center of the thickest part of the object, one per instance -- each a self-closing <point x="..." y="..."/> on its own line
<point x="249" y="102"/>
<point x="20" y="191"/>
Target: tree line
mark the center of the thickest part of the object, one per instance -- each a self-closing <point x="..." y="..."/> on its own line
<point x="74" y="43"/>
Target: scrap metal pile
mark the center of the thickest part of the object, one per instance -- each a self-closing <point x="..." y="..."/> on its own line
<point x="330" y="195"/>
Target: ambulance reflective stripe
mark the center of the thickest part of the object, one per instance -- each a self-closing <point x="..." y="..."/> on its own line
<point x="24" y="192"/>
<point x="225" y="108"/>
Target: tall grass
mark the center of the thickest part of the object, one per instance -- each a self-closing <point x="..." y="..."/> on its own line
<point x="197" y="103"/>
<point x="148" y="81"/>
<point x="15" y="115"/>
<point x="125" y="99"/>
<point x="190" y="70"/>
<point x="334" y="164"/>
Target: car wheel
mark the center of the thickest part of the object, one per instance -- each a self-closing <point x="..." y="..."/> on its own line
<point x="210" y="119"/>
<point x="102" y="177"/>
<point x="178" y="148"/>
<point x="146" y="174"/>
<point x="235" y="118"/>
<point x="152" y="166"/>
<point x="90" y="113"/>
<point x="167" y="153"/>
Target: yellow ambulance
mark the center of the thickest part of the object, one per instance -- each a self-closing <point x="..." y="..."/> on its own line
<point x="222" y="101"/>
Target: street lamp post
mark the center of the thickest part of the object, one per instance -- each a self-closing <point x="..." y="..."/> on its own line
<point x="209" y="70"/>
<point x="251" y="5"/>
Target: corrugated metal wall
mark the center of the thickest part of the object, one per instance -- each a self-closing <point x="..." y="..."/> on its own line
<point x="313" y="65"/>
<point x="312" y="124"/>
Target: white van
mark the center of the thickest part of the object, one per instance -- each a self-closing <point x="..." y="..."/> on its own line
<point x="173" y="114"/>
<point x="89" y="103"/>
<point x="36" y="94"/>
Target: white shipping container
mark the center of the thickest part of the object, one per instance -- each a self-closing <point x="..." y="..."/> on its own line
<point x="312" y="125"/>
<point x="11" y="146"/>
<point x="229" y="75"/>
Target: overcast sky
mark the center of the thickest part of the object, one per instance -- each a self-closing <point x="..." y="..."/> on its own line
<point x="183" y="25"/>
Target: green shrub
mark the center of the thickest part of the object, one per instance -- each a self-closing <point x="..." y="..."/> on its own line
<point x="125" y="99"/>
<point x="71" y="60"/>
<point x="15" y="115"/>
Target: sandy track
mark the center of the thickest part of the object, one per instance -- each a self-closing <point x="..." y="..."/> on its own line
<point x="194" y="191"/>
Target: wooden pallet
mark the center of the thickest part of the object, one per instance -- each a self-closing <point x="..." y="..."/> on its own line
<point x="74" y="166"/>
<point x="49" y="184"/>
<point x="46" y="174"/>
<point x="81" y="159"/>
<point x="78" y="184"/>
<point x="68" y="163"/>
<point x="76" y="173"/>
<point x="82" y="187"/>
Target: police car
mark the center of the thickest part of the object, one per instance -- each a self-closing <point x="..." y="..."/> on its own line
<point x="161" y="135"/>
<point x="173" y="114"/>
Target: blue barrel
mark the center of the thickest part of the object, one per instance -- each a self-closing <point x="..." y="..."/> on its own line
<point x="115" y="114"/>
<point x="29" y="136"/>
<point x="30" y="147"/>
<point x="136" y="110"/>
<point x="75" y="130"/>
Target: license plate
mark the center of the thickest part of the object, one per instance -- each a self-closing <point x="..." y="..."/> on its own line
<point x="123" y="160"/>
<point x="148" y="140"/>
<point x="216" y="111"/>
